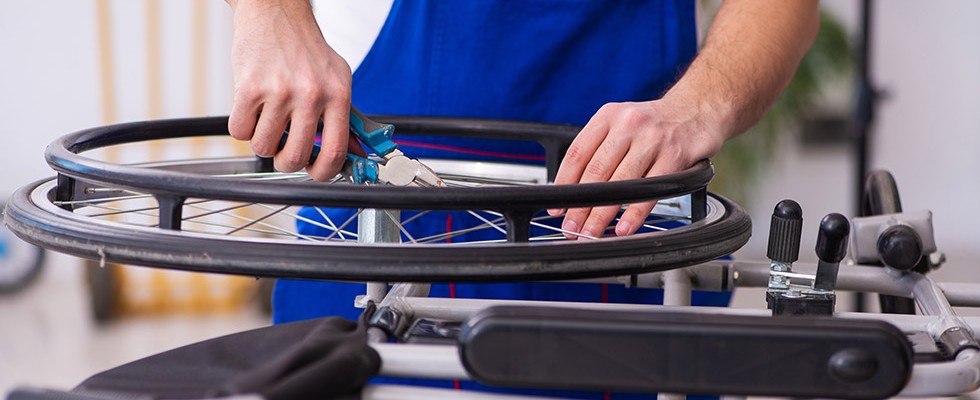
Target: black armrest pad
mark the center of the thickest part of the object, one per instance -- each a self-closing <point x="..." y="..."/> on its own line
<point x="680" y="352"/>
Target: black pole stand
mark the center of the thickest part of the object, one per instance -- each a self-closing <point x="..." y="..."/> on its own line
<point x="864" y="114"/>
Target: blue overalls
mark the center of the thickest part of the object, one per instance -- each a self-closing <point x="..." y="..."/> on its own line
<point x="553" y="61"/>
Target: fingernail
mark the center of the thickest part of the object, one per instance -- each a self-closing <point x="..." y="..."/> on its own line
<point x="623" y="228"/>
<point x="587" y="234"/>
<point x="569" y="226"/>
<point x="554" y="212"/>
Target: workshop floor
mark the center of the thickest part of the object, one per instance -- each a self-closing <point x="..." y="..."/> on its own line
<point x="48" y="338"/>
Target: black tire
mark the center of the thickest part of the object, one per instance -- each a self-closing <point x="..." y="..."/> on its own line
<point x="881" y="197"/>
<point x="880" y="194"/>
<point x="20" y="262"/>
<point x="41" y="213"/>
<point x="56" y="229"/>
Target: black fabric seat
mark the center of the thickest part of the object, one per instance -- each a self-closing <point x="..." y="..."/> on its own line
<point x="326" y="358"/>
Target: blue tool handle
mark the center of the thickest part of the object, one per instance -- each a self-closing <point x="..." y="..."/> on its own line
<point x="375" y="136"/>
<point x="362" y="169"/>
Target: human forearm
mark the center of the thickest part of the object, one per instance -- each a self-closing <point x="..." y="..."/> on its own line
<point x="748" y="59"/>
<point x="751" y="52"/>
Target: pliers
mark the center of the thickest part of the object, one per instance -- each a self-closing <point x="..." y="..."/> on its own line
<point x="394" y="168"/>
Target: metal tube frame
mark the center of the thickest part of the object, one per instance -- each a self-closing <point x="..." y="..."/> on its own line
<point x="935" y="301"/>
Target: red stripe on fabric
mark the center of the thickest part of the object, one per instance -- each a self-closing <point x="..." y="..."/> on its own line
<point x="456" y="384"/>
<point x="452" y="286"/>
<point x="607" y="396"/>
<point x="449" y="227"/>
<point x="471" y="151"/>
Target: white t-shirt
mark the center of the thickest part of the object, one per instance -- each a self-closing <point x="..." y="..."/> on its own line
<point x="350" y="27"/>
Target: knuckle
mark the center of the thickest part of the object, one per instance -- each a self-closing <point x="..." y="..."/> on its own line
<point x="290" y="161"/>
<point x="317" y="175"/>
<point x="238" y="130"/>
<point x="261" y="149"/>
<point x="602" y="215"/>
<point x="339" y="96"/>
<point x="596" y="167"/>
<point x="609" y="108"/>
<point x="634" y="117"/>
<point x="576" y="155"/>
<point x="341" y="70"/>
<point x="279" y="96"/>
<point x="321" y="175"/>
<point x="636" y="212"/>
<point x="335" y="159"/>
<point x="673" y="154"/>
<point x="310" y="94"/>
<point x="328" y="164"/>
<point x="345" y="69"/>
<point x="247" y="94"/>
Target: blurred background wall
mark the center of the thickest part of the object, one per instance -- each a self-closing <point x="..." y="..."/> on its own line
<point x="68" y="64"/>
<point x="925" y="58"/>
<point x="54" y="59"/>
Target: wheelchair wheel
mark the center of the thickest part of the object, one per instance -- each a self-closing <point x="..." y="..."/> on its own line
<point x="880" y="194"/>
<point x="881" y="197"/>
<point x="20" y="262"/>
<point x="235" y="215"/>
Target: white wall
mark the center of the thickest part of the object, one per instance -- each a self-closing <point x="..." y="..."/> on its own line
<point x="48" y="81"/>
<point x="49" y="73"/>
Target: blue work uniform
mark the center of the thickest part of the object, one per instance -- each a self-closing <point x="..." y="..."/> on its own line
<point x="555" y="61"/>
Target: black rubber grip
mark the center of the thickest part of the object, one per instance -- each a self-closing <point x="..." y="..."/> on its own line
<point x="832" y="238"/>
<point x="673" y="352"/>
<point x="784" y="232"/>
<point x="900" y="247"/>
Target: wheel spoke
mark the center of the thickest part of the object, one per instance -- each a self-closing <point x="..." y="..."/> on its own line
<point x="267" y="216"/>
<point x="344" y="225"/>
<point x="87" y="202"/>
<point x="332" y="226"/>
<point x="550" y="228"/>
<point x="262" y="225"/>
<point x="214" y="212"/>
<point x="401" y="226"/>
<point x="249" y="222"/>
<point x="315" y="223"/>
<point x="491" y="224"/>
<point x="456" y="233"/>
<point x="473" y="180"/>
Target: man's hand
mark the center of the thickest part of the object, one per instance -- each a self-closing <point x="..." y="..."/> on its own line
<point x="634" y="140"/>
<point x="285" y="73"/>
<point x="748" y="58"/>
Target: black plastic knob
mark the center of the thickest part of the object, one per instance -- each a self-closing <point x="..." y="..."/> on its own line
<point x="900" y="247"/>
<point x="784" y="232"/>
<point x="832" y="238"/>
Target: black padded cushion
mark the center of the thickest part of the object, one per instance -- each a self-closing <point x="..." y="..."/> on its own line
<point x="326" y="358"/>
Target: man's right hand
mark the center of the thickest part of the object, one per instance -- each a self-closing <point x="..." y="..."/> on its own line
<point x="285" y="73"/>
